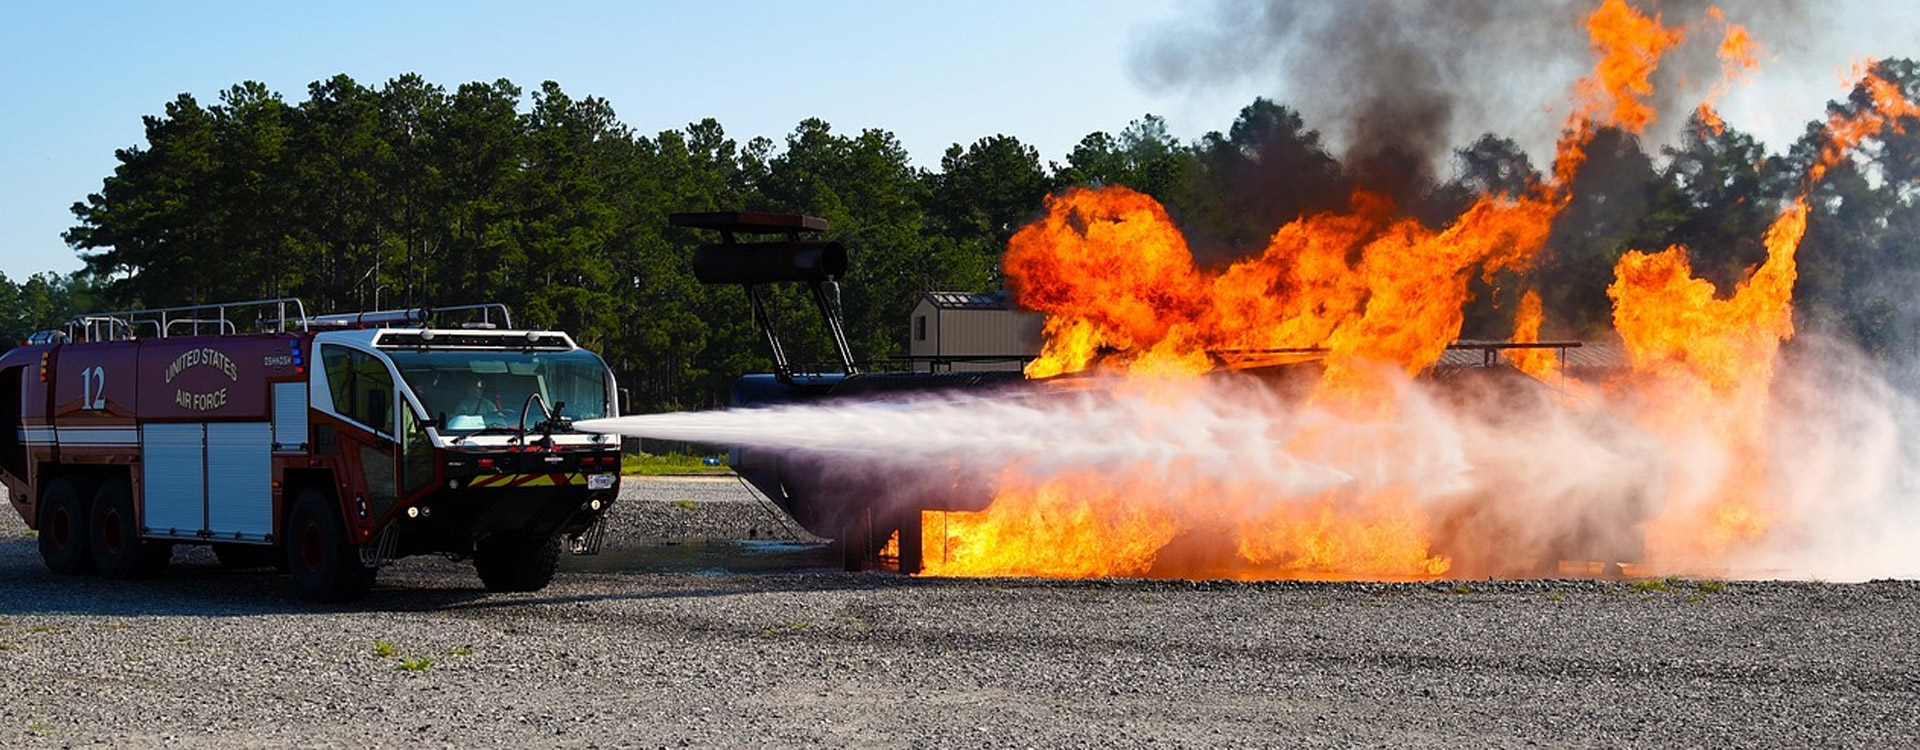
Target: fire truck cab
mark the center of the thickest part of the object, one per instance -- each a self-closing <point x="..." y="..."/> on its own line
<point x="324" y="445"/>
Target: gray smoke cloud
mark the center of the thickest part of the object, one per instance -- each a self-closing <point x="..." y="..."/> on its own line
<point x="1427" y="77"/>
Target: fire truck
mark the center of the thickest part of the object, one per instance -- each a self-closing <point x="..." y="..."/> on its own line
<point x="324" y="445"/>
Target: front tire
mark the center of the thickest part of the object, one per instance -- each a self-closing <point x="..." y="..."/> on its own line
<point x="114" y="536"/>
<point x="516" y="562"/>
<point x="326" y="567"/>
<point x="63" y="529"/>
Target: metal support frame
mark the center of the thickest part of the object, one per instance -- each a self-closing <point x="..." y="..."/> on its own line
<point x="763" y="320"/>
<point x="830" y="310"/>
<point x="588" y="541"/>
<point x="792" y="227"/>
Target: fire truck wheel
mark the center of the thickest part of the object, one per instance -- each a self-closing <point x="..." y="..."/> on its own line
<point x="118" y="551"/>
<point x="325" y="566"/>
<point x="63" y="529"/>
<point x="516" y="562"/>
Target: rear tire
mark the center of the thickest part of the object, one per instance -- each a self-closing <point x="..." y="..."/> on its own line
<point x="63" y="529"/>
<point x="516" y="562"/>
<point x="325" y="566"/>
<point x="114" y="536"/>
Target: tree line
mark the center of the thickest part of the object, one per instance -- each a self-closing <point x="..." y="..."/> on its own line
<point x="410" y="194"/>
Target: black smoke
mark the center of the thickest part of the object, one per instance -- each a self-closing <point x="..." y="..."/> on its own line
<point x="1411" y="81"/>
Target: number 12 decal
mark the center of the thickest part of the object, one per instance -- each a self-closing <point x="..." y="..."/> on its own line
<point x="93" y="388"/>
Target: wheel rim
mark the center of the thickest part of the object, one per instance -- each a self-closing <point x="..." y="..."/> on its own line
<point x="310" y="543"/>
<point x="59" y="525"/>
<point x="110" y="535"/>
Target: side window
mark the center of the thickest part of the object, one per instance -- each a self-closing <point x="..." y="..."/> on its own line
<point x="361" y="386"/>
<point x="417" y="464"/>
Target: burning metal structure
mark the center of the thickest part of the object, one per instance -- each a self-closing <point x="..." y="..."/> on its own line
<point x="1301" y="413"/>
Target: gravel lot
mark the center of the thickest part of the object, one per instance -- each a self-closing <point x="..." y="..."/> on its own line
<point x="670" y="645"/>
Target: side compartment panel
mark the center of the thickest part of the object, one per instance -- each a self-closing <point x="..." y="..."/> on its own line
<point x="240" y="481"/>
<point x="173" y="458"/>
<point x="289" y="416"/>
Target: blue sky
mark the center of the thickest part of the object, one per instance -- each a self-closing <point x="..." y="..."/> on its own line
<point x="75" y="78"/>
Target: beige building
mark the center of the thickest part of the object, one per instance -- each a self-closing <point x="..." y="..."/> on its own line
<point x="960" y="331"/>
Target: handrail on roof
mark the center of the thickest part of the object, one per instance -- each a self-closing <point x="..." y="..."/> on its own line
<point x="274" y="315"/>
<point x="278" y="314"/>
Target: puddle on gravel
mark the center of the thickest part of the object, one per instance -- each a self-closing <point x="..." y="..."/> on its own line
<point x="716" y="557"/>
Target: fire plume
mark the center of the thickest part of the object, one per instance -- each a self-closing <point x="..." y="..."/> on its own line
<point x="1043" y="530"/>
<point x="1703" y="366"/>
<point x="1538" y="363"/>
<point x="1376" y="298"/>
<point x="1739" y="56"/>
<point x="1630" y="44"/>
<point x="1365" y="303"/>
<point x="1114" y="256"/>
<point x="1845" y="132"/>
<point x="1116" y="280"/>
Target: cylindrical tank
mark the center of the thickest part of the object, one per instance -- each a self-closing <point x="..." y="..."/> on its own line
<point x="769" y="262"/>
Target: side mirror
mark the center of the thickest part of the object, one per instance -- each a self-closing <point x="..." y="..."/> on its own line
<point x="625" y="402"/>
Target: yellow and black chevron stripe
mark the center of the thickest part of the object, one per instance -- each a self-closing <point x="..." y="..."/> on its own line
<point x="527" y="480"/>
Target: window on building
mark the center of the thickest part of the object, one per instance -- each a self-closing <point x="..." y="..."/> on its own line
<point x="919" y="328"/>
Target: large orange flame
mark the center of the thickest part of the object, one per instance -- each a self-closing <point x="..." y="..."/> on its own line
<point x="1539" y="363"/>
<point x="1631" y="44"/>
<point x="1703" y="367"/>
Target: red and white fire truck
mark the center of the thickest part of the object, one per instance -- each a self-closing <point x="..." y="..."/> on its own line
<point x="327" y="445"/>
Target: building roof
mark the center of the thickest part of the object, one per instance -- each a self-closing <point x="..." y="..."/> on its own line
<point x="997" y="300"/>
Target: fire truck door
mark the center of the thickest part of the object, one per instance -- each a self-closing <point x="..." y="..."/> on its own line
<point x="360" y="390"/>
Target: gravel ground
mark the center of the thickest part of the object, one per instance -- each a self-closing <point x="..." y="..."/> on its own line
<point x="670" y="649"/>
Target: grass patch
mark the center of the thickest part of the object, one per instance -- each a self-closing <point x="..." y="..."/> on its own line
<point x="1713" y="587"/>
<point x="39" y="728"/>
<point x="44" y="629"/>
<point x="460" y="651"/>
<point x="5" y="646"/>
<point x="382" y="649"/>
<point x="416" y="663"/>
<point x="650" y="465"/>
<point x="1653" y="585"/>
<point x="685" y="504"/>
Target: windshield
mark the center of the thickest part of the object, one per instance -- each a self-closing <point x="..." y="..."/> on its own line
<point x="467" y="390"/>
